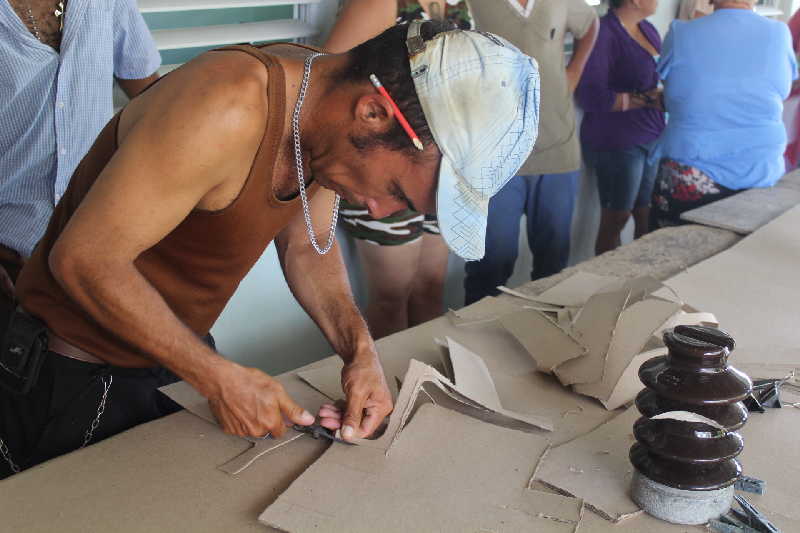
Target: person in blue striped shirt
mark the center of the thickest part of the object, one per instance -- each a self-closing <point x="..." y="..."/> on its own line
<point x="58" y="61"/>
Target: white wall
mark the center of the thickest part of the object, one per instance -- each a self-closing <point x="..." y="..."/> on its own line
<point x="263" y="326"/>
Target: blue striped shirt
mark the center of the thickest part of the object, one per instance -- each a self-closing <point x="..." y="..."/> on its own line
<point x="52" y="106"/>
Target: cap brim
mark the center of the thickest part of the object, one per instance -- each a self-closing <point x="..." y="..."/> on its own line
<point x="462" y="213"/>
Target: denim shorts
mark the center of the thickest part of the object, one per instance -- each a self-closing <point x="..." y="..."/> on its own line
<point x="624" y="178"/>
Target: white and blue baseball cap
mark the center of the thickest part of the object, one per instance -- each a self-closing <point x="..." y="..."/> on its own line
<point x="480" y="96"/>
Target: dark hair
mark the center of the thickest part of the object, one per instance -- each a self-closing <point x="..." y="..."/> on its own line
<point x="616" y="3"/>
<point x="386" y="56"/>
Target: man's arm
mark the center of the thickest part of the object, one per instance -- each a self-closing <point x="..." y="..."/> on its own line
<point x="320" y="285"/>
<point x="133" y="87"/>
<point x="580" y="55"/>
<point x="168" y="162"/>
<point x="136" y="57"/>
<point x="359" y="21"/>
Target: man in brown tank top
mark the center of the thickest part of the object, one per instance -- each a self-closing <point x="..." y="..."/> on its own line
<point x="183" y="190"/>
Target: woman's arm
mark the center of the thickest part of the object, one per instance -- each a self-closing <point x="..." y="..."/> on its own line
<point x="359" y="21"/>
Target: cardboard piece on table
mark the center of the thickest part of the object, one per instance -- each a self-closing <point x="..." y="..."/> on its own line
<point x="576" y="289"/>
<point x="593" y="327"/>
<point x="184" y="394"/>
<point x="472" y="378"/>
<point x="326" y="379"/>
<point x="533" y="302"/>
<point x="486" y="310"/>
<point x="548" y="344"/>
<point x="424" y="484"/>
<point x="636" y="326"/>
<point x="595" y="468"/>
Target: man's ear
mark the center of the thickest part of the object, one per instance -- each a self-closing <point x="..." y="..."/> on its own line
<point x="373" y="113"/>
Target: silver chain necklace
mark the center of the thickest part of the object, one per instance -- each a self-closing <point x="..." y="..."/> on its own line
<point x="298" y="161"/>
<point x="58" y="12"/>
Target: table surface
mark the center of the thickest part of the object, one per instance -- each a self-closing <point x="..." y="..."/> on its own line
<point x="162" y="476"/>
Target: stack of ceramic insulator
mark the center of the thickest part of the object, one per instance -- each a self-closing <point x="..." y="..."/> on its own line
<point x="680" y="450"/>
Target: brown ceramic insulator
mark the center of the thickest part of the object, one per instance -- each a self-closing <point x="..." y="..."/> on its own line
<point x="685" y="476"/>
<point x="687" y="442"/>
<point x="694" y="377"/>
<point x="731" y="416"/>
<point x="696" y="370"/>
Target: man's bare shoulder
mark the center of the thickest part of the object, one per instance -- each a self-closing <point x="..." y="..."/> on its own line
<point x="221" y="92"/>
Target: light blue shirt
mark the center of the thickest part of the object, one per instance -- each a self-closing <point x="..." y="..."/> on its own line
<point x="726" y="76"/>
<point x="52" y="106"/>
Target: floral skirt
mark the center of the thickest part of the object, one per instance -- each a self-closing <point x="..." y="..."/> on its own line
<point x="680" y="188"/>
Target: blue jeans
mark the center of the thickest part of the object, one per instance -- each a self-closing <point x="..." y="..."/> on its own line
<point x="624" y="178"/>
<point x="547" y="200"/>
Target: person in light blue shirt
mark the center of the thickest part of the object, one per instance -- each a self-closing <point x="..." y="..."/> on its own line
<point x="57" y="68"/>
<point x="725" y="76"/>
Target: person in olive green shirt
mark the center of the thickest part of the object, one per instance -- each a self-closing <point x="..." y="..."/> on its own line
<point x="546" y="186"/>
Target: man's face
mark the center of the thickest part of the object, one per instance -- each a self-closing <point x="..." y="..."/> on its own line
<point x="382" y="180"/>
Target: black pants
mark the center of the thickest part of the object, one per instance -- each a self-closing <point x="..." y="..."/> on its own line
<point x="53" y="418"/>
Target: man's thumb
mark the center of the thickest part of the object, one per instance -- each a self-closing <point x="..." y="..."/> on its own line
<point x="296" y="414"/>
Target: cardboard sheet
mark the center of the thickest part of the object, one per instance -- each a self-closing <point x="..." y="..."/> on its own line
<point x="438" y="477"/>
<point x="636" y="326"/>
<point x="191" y="400"/>
<point x="595" y="468"/>
<point x="548" y="344"/>
<point x="753" y="290"/>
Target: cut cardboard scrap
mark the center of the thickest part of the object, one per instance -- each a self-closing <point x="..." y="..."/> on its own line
<point x="472" y="379"/>
<point x="636" y="326"/>
<point x="594" y="327"/>
<point x="486" y="310"/>
<point x="618" y="326"/>
<point x="533" y="303"/>
<point x="548" y="344"/>
<point x="595" y="468"/>
<point x="576" y="289"/>
<point x="687" y="416"/>
<point x="438" y="477"/>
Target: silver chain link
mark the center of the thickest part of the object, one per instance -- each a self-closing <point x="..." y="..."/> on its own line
<point x="100" y="410"/>
<point x="87" y="437"/>
<point x="298" y="161"/>
<point x="34" y="25"/>
<point x="7" y="456"/>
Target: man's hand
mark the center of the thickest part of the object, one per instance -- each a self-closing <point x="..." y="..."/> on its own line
<point x="249" y="403"/>
<point x="368" y="400"/>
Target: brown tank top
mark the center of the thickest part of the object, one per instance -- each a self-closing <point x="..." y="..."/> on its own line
<point x="196" y="267"/>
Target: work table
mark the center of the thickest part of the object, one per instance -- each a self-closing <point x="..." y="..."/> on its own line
<point x="162" y="476"/>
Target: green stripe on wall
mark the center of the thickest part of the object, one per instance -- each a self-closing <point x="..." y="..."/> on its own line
<point x="210" y="17"/>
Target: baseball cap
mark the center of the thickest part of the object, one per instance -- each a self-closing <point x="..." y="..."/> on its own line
<point x="480" y="96"/>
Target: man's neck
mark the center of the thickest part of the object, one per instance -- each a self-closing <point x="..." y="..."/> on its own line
<point x="316" y="106"/>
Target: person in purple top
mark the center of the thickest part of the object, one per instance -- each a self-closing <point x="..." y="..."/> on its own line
<point x="623" y="116"/>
